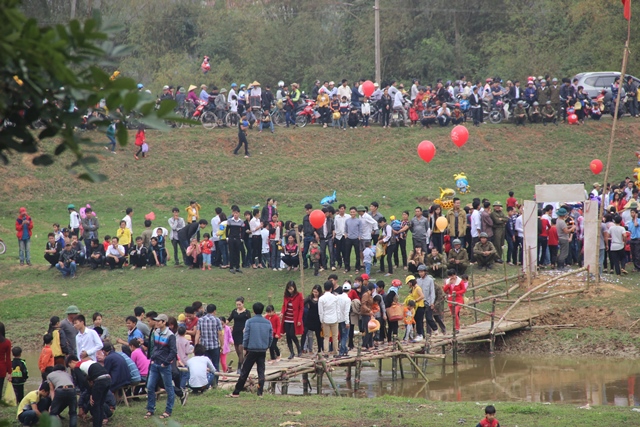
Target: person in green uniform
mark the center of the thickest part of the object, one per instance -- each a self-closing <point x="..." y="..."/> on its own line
<point x="484" y="252"/>
<point x="519" y="114"/>
<point x="458" y="259"/>
<point x="500" y="220"/>
<point x="549" y="114"/>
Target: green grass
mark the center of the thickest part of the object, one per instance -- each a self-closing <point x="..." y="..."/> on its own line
<point x="295" y="167"/>
<point x="388" y="411"/>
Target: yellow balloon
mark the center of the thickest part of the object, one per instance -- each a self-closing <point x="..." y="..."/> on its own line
<point x="442" y="223"/>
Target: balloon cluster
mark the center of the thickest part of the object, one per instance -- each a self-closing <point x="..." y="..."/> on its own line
<point x="426" y="149"/>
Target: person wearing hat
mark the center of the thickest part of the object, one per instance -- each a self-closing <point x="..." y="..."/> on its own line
<point x="458" y="259"/>
<point x="484" y="252"/>
<point x="416" y="295"/>
<point x="549" y="114"/>
<point x="204" y="95"/>
<point x="500" y="220"/>
<point x="543" y="92"/>
<point x="24" y="226"/>
<point x="163" y="355"/>
<point x="191" y="95"/>
<point x="531" y="93"/>
<point x="74" y="220"/>
<point x="519" y="113"/>
<point x="66" y="325"/>
<point x="554" y="96"/>
<point x="596" y="189"/>
<point x="564" y="234"/>
<point x="166" y="94"/>
<point x="426" y="283"/>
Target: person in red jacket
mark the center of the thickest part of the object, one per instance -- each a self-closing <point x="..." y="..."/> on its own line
<point x="272" y="317"/>
<point x="24" y="225"/>
<point x="489" y="419"/>
<point x="455" y="287"/>
<point x="5" y="358"/>
<point x="291" y="317"/>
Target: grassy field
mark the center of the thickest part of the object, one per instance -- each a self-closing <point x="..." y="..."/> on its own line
<point x="298" y="166"/>
<point x="388" y="411"/>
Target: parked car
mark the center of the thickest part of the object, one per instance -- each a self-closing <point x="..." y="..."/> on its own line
<point x="595" y="82"/>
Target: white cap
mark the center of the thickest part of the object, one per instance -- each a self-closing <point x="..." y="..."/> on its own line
<point x="165" y="87"/>
<point x="346" y="286"/>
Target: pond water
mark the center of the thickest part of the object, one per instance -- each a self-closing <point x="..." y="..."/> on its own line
<point x="580" y="380"/>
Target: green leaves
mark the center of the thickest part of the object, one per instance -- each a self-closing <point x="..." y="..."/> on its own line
<point x="53" y="76"/>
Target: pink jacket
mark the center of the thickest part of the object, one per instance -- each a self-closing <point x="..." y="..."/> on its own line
<point x="141" y="361"/>
<point x="228" y="340"/>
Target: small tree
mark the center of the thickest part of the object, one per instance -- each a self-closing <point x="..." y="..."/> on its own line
<point x="53" y="75"/>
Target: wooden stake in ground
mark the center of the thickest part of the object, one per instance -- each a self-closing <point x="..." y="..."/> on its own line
<point x="625" y="57"/>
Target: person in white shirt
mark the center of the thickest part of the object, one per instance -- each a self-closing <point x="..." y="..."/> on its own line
<point x="519" y="227"/>
<point x="74" y="220"/>
<point x="256" y="238"/>
<point x="115" y="255"/>
<point x="127" y="220"/>
<point x="88" y="343"/>
<point x="369" y="226"/>
<point x="201" y="370"/>
<point x="264" y="234"/>
<point x="215" y="227"/>
<point x="444" y="115"/>
<point x="344" y="322"/>
<point x="329" y="317"/>
<point x="398" y="102"/>
<point x="414" y="89"/>
<point x="339" y="240"/>
<point x="344" y="90"/>
<point x="232" y="93"/>
<point x="476" y="227"/>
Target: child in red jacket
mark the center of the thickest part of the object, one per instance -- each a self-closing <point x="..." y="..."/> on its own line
<point x="489" y="419"/>
<point x="458" y="286"/>
<point x="272" y="317"/>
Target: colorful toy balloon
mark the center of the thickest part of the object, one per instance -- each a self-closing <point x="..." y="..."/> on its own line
<point x="459" y="135"/>
<point x="368" y="88"/>
<point x="426" y="150"/>
<point x="442" y="223"/>
<point x="317" y="218"/>
<point x="572" y="119"/>
<point x="596" y="166"/>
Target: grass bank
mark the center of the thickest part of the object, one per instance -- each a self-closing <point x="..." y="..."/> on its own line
<point x="295" y="166"/>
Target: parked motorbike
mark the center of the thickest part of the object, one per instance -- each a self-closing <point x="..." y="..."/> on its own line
<point x="308" y="114"/>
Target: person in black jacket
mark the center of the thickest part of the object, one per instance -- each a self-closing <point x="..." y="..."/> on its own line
<point x="95" y="254"/>
<point x="90" y="375"/>
<point x="186" y="233"/>
<point x="566" y="95"/>
<point x="475" y="103"/>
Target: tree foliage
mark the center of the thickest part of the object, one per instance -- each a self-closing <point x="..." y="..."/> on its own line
<point x="46" y="71"/>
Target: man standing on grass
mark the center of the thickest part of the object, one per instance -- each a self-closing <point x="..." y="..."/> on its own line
<point x="419" y="226"/>
<point x="256" y="339"/>
<point x="499" y="222"/>
<point x="234" y="237"/>
<point x="340" y="237"/>
<point x="210" y="334"/>
<point x="163" y="355"/>
<point x="368" y="228"/>
<point x="69" y="331"/>
<point x="90" y="226"/>
<point x="308" y="231"/>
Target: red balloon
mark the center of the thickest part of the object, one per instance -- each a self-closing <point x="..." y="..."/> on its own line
<point x="572" y="119"/>
<point x="459" y="135"/>
<point x="368" y="88"/>
<point x="596" y="166"/>
<point x="317" y="218"/>
<point x="426" y="150"/>
<point x="150" y="216"/>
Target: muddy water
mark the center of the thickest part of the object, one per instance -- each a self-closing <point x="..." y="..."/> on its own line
<point x="483" y="379"/>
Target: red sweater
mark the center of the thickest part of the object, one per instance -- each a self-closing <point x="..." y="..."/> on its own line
<point x="275" y="324"/>
<point x="553" y="236"/>
<point x="5" y="358"/>
<point x="20" y="228"/>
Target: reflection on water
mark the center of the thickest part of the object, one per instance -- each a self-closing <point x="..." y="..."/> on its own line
<point x="507" y="378"/>
<point x="483" y="379"/>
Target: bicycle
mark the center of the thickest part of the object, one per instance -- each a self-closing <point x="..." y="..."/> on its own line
<point x="232" y="119"/>
<point x="277" y="116"/>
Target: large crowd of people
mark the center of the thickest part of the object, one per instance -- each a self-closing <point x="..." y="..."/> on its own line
<point x="543" y="99"/>
<point x="184" y="351"/>
<point x="359" y="238"/>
